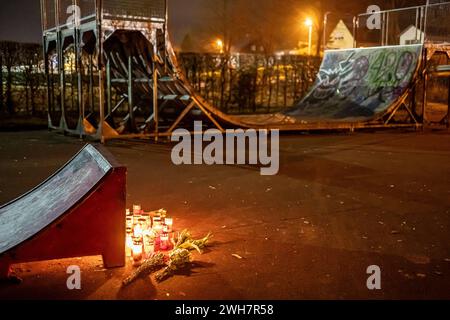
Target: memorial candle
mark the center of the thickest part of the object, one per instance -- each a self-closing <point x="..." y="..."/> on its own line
<point x="138" y="231"/>
<point x="137" y="209"/>
<point x="137" y="251"/>
<point x="164" y="241"/>
<point x="169" y="223"/>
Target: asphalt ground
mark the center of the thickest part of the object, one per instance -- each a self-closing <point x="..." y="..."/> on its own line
<point x="340" y="203"/>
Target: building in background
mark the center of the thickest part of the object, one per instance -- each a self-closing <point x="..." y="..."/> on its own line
<point x="340" y="37"/>
<point x="411" y="35"/>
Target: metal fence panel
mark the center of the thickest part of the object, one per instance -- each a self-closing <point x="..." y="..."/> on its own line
<point x="49" y="14"/>
<point x="87" y="7"/>
<point x="155" y="9"/>
<point x="403" y="27"/>
<point x="366" y="35"/>
<point x="438" y="23"/>
<point x="64" y="6"/>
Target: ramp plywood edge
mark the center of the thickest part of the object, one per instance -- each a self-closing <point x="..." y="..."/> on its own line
<point x="78" y="211"/>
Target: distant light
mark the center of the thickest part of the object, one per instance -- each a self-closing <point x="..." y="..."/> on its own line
<point x="308" y="22"/>
<point x="220" y="45"/>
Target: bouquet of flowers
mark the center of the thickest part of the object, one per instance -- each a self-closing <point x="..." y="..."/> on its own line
<point x="178" y="259"/>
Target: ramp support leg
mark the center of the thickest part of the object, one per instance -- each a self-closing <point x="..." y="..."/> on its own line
<point x="114" y="258"/>
<point x="155" y="98"/>
<point x="130" y="96"/>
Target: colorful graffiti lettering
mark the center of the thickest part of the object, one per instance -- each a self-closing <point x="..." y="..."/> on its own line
<point x="359" y="82"/>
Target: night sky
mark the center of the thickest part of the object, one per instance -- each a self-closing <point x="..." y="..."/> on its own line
<point x="20" y="19"/>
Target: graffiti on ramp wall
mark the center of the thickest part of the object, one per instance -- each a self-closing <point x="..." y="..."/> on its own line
<point x="359" y="83"/>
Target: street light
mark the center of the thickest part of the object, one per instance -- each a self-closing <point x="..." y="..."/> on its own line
<point x="309" y="23"/>
<point x="219" y="44"/>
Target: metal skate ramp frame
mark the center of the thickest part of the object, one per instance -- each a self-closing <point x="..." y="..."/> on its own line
<point x="355" y="88"/>
<point x="78" y="211"/>
<point x="130" y="54"/>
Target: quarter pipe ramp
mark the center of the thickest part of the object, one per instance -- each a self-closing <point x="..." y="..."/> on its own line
<point x="78" y="211"/>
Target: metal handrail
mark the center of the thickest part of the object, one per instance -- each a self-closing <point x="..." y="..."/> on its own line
<point x="406" y="8"/>
<point x="421" y="21"/>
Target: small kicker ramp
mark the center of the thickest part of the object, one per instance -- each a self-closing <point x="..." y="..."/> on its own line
<point x="78" y="211"/>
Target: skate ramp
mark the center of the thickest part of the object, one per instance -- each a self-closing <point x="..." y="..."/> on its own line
<point x="78" y="211"/>
<point x="359" y="84"/>
<point x="353" y="89"/>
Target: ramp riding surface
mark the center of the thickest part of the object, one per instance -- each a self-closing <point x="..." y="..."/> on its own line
<point x="359" y="84"/>
<point x="354" y="87"/>
<point x="77" y="211"/>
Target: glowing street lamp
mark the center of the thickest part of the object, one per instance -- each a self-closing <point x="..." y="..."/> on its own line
<point x="220" y="45"/>
<point x="309" y="23"/>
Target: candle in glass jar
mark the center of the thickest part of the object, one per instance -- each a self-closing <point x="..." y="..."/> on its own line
<point x="162" y="213"/>
<point x="129" y="222"/>
<point x="129" y="246"/>
<point x="129" y="232"/>
<point x="169" y="223"/>
<point x="157" y="219"/>
<point x="138" y="231"/>
<point x="156" y="241"/>
<point x="148" y="245"/>
<point x="137" y="251"/>
<point x="164" y="241"/>
<point x="148" y="220"/>
<point x="143" y="223"/>
<point x="137" y="209"/>
<point x="158" y="229"/>
<point x="137" y="254"/>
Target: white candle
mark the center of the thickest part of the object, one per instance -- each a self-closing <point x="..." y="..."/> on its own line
<point x="129" y="222"/>
<point x="156" y="221"/>
<point x="129" y="246"/>
<point x="137" y="252"/>
<point x="138" y="231"/>
<point x="137" y="209"/>
<point x="169" y="224"/>
<point x="158" y="229"/>
<point x="162" y="213"/>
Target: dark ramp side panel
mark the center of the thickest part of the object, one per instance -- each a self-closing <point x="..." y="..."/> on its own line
<point x="29" y="214"/>
<point x="77" y="211"/>
<point x="359" y="84"/>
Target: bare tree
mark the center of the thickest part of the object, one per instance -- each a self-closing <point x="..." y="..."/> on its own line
<point x="320" y="15"/>
<point x="224" y="23"/>
<point x="29" y="58"/>
<point x="9" y="52"/>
